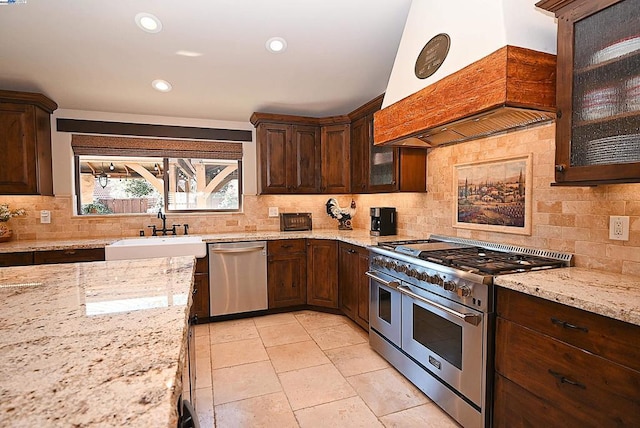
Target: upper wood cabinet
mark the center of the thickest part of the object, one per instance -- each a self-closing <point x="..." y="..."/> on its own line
<point x="288" y="158"/>
<point x="376" y="169"/>
<point x="298" y="154"/>
<point x="25" y="143"/>
<point x="598" y="91"/>
<point x="334" y="158"/>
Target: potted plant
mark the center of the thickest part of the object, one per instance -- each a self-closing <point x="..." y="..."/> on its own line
<point x="7" y="214"/>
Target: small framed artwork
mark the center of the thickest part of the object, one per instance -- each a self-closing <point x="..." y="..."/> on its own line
<point x="494" y="195"/>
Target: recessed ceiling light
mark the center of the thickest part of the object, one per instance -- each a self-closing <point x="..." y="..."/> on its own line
<point x="161" y="85"/>
<point x="148" y="22"/>
<point x="276" y="45"/>
<point x="188" y="53"/>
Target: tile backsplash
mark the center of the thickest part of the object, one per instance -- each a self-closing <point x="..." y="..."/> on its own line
<point x="568" y="219"/>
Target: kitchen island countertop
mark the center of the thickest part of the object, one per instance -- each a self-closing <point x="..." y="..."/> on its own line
<point x="612" y="295"/>
<point x="94" y="344"/>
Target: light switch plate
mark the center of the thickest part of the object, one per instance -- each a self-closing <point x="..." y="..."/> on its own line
<point x="273" y="211"/>
<point x="619" y="227"/>
<point x="45" y="216"/>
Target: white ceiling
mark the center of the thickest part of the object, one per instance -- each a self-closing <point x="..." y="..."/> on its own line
<point x="90" y="55"/>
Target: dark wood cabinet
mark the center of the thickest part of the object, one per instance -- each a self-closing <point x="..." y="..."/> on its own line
<point x="334" y="158"/>
<point x="300" y="155"/>
<point x="200" y="304"/>
<point x="563" y="366"/>
<point x="286" y="273"/>
<point x="25" y="143"/>
<point x="322" y="273"/>
<point x="288" y="158"/>
<point x="68" y="256"/>
<point x="376" y="169"/>
<point x="16" y="259"/>
<point x="353" y="262"/>
<point x="598" y="91"/>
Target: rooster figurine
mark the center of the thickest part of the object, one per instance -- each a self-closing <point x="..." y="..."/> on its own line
<point x="343" y="215"/>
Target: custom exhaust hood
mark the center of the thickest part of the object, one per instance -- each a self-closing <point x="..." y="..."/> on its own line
<point x="484" y="86"/>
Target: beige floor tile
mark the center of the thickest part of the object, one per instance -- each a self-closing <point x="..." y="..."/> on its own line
<point x="337" y="336"/>
<point x="425" y="416"/>
<point x="296" y="356"/>
<point x="315" y="385"/>
<point x="201" y="330"/>
<point x="229" y="331"/>
<point x="203" y="371"/>
<point x="282" y="334"/>
<point x="266" y="411"/>
<point x="347" y="413"/>
<point x="202" y="345"/>
<point x="245" y="381"/>
<point x="284" y="318"/>
<point x="356" y="359"/>
<point x="204" y="406"/>
<point x="387" y="391"/>
<point x="229" y="354"/>
<point x="311" y="319"/>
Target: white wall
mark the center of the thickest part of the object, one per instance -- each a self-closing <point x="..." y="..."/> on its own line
<point x="63" y="156"/>
<point x="476" y="28"/>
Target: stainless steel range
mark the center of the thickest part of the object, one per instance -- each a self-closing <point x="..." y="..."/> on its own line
<point x="431" y="314"/>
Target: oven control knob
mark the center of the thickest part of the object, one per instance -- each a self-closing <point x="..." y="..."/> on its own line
<point x="464" y="291"/>
<point x="450" y="286"/>
<point x="413" y="273"/>
<point x="403" y="268"/>
<point x="393" y="265"/>
<point x="437" y="280"/>
<point x="423" y="276"/>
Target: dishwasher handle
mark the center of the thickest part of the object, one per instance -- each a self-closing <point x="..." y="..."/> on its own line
<point x="236" y="250"/>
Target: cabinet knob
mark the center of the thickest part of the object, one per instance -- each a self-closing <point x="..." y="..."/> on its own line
<point x="559" y="114"/>
<point x="561" y="168"/>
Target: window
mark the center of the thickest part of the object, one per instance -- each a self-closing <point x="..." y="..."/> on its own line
<point x="121" y="180"/>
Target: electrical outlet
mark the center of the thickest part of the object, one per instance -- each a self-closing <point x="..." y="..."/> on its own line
<point x="273" y="211"/>
<point x="619" y="227"/>
<point x="45" y="216"/>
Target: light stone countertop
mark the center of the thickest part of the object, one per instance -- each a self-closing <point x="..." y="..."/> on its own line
<point x="359" y="237"/>
<point x="609" y="294"/>
<point x="98" y="344"/>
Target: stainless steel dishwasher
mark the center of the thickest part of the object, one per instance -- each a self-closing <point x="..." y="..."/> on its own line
<point x="237" y="277"/>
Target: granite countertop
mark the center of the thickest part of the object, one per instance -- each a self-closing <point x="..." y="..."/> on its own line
<point x="609" y="294"/>
<point x="93" y="344"/>
<point x="357" y="237"/>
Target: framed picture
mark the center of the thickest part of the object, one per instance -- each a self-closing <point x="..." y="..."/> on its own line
<point x="494" y="195"/>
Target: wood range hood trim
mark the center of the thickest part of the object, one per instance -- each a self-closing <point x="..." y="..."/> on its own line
<point x="509" y="89"/>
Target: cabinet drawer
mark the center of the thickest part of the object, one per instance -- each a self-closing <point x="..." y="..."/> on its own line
<point x="568" y="378"/>
<point x="612" y="339"/>
<point x="16" y="259"/>
<point x="286" y="246"/>
<point x="515" y="407"/>
<point x="69" y="256"/>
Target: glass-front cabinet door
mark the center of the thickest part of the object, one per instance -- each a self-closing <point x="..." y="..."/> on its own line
<point x="598" y="92"/>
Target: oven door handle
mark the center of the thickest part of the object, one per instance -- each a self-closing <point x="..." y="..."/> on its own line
<point x="468" y="318"/>
<point x="390" y="284"/>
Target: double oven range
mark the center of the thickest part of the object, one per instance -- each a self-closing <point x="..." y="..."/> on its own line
<point x="432" y="317"/>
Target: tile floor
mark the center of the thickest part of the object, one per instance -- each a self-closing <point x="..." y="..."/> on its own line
<point x="302" y="369"/>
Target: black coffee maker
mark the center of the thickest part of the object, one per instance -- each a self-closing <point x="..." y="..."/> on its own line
<point x="383" y="221"/>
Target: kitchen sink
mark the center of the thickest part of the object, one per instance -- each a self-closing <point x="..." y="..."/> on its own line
<point x="146" y="248"/>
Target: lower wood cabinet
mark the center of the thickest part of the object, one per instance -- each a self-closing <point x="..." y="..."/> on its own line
<point x="353" y="262"/>
<point x="68" y="256"/>
<point x="561" y="366"/>
<point x="16" y="259"/>
<point x="286" y="273"/>
<point x="27" y="258"/>
<point x="322" y="273"/>
<point x="200" y="305"/>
